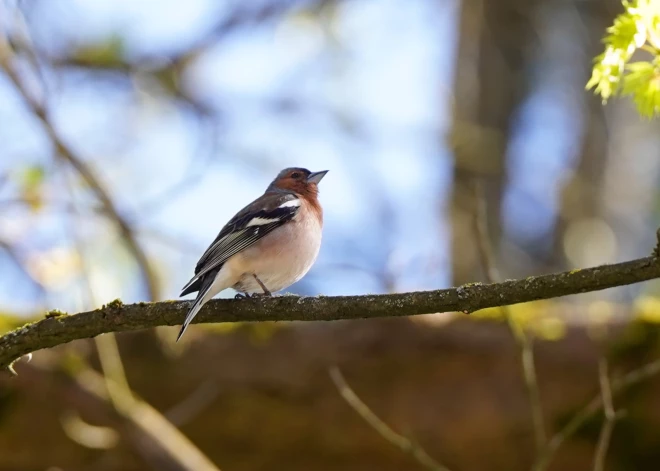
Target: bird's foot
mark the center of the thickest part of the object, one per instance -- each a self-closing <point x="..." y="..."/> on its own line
<point x="242" y="296"/>
<point x="263" y="286"/>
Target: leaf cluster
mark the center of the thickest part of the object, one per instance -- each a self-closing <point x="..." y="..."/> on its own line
<point x="636" y="29"/>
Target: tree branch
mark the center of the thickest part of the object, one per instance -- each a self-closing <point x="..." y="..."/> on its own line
<point x="148" y="420"/>
<point x="400" y="441"/>
<point x="521" y="337"/>
<point x="611" y="416"/>
<point x="596" y="404"/>
<point x="116" y="317"/>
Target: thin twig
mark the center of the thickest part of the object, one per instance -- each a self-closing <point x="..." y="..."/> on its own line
<point x="611" y="416"/>
<point x="111" y="364"/>
<point x="114" y="377"/>
<point x="522" y="339"/>
<point x="85" y="434"/>
<point x="68" y="154"/>
<point x="587" y="412"/>
<point x="109" y="356"/>
<point x="194" y="404"/>
<point x="404" y="443"/>
<point x="153" y="424"/>
<point x="147" y="419"/>
<point x="14" y="256"/>
<point x="21" y="41"/>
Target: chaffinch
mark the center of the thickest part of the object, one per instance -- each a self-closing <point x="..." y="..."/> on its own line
<point x="267" y="246"/>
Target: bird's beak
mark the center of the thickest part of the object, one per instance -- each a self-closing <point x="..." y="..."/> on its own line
<point x="316" y="177"/>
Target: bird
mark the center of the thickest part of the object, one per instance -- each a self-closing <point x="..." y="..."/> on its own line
<point x="267" y="246"/>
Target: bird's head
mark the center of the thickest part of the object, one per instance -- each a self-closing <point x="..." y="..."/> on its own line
<point x="298" y="180"/>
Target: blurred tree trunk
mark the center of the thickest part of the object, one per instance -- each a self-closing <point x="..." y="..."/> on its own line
<point x="582" y="194"/>
<point x="490" y="84"/>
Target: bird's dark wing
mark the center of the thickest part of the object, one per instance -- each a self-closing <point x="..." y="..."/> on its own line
<point x="253" y="222"/>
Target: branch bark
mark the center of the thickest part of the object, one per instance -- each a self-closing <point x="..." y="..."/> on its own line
<point x="57" y="329"/>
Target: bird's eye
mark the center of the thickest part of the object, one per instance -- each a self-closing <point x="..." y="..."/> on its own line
<point x="295" y="175"/>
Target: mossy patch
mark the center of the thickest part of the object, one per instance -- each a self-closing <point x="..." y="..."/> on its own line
<point x="54" y="313"/>
<point x="114" y="304"/>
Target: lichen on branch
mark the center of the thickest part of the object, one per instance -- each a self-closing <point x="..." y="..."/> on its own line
<point x="119" y="317"/>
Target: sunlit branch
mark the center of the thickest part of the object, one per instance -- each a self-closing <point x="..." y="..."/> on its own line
<point x="57" y="329"/>
<point x="147" y="419"/>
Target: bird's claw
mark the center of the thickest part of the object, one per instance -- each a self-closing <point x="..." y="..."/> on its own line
<point x="246" y="295"/>
<point x="253" y="295"/>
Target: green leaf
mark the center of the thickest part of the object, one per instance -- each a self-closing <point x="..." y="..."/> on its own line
<point x="109" y="53"/>
<point x="32" y="176"/>
<point x="30" y="182"/>
<point x="637" y="27"/>
<point x="643" y="84"/>
<point x="606" y="76"/>
<point x="624" y="34"/>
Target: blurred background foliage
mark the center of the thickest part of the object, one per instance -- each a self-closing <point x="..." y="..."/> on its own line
<point x="138" y="128"/>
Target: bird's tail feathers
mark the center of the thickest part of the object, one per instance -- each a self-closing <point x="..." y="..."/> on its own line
<point x="208" y="285"/>
<point x="200" y="300"/>
<point x="192" y="286"/>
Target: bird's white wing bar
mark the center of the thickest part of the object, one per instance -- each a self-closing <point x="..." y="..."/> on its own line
<point x="294" y="203"/>
<point x="261" y="221"/>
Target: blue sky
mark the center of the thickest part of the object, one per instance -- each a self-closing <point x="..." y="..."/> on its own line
<point x="375" y="82"/>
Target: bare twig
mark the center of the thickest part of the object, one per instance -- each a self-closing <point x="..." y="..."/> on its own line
<point x="611" y="416"/>
<point x="147" y="419"/>
<point x="404" y="443"/>
<point x="109" y="356"/>
<point x="522" y="339"/>
<point x="245" y="15"/>
<point x="21" y="41"/>
<point x="112" y="365"/>
<point x="106" y="345"/>
<point x="156" y="427"/>
<point x="15" y="257"/>
<point x="207" y="150"/>
<point x="68" y="154"/>
<point x="87" y="435"/>
<point x="193" y="404"/>
<point x="117" y="317"/>
<point x="596" y="404"/>
<point x="167" y="70"/>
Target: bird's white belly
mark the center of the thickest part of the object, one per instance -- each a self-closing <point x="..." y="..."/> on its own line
<point x="280" y="259"/>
